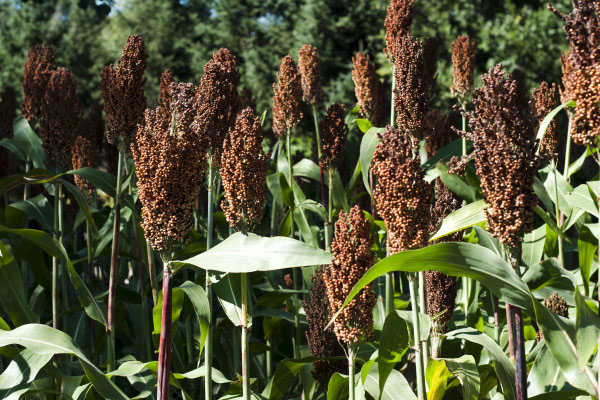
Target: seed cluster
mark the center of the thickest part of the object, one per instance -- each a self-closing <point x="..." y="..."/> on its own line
<point x="8" y="113"/>
<point x="397" y="23"/>
<point x="38" y="68"/>
<point x="333" y="135"/>
<point x="545" y="99"/>
<point x="581" y="77"/>
<point x="368" y="89"/>
<point x="352" y="257"/>
<point x="321" y="343"/>
<point x="402" y="195"/>
<point x="122" y="87"/>
<point x="216" y="96"/>
<point x="83" y="156"/>
<point x="286" y="98"/>
<point x="558" y="306"/>
<point x="244" y="172"/>
<point x="503" y="136"/>
<point x="310" y="76"/>
<point x="169" y="165"/>
<point x="164" y="95"/>
<point x="410" y="99"/>
<point x="463" y="66"/>
<point x="59" y="118"/>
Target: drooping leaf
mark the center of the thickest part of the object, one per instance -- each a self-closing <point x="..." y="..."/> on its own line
<point x="442" y="155"/>
<point x="465" y="217"/>
<point x="248" y="253"/>
<point x="465" y="370"/>
<point x="199" y="300"/>
<point x="586" y="246"/>
<point x="367" y="148"/>
<point x="337" y="388"/>
<point x="587" y="326"/>
<point x="12" y="290"/>
<point x="533" y="246"/>
<point x="22" y="370"/>
<point x="393" y="343"/>
<point x="396" y="385"/>
<point x="548" y="119"/>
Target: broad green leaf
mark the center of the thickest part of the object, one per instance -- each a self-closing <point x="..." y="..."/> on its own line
<point x="583" y="197"/>
<point x="545" y="375"/>
<point x="176" y="307"/>
<point x="337" y="389"/>
<point x="229" y="293"/>
<point x="300" y="216"/>
<point x="42" y="339"/>
<point x="556" y="181"/>
<point x="442" y="155"/>
<point x="548" y="273"/>
<point x="28" y="142"/>
<point x="577" y="164"/>
<point x="465" y="217"/>
<point x="199" y="300"/>
<point x="566" y="394"/>
<point x="488" y="241"/>
<point x="81" y="202"/>
<point x="424" y="324"/>
<point x="39" y="209"/>
<point x="586" y="246"/>
<point x="129" y="368"/>
<point x="284" y="376"/>
<point x="562" y="348"/>
<point x="12" y="290"/>
<point x="393" y="343"/>
<point x="465" y="370"/>
<point x="548" y="119"/>
<point x="587" y="325"/>
<point x="248" y="253"/>
<point x="102" y="180"/>
<point x="456" y="259"/>
<point x="437" y="377"/>
<point x="396" y="386"/>
<point x="502" y="365"/>
<point x="551" y="223"/>
<point x="458" y="184"/>
<point x="533" y="246"/>
<point x="367" y="148"/>
<point x="339" y="193"/>
<point x="314" y="207"/>
<point x="21" y="371"/>
<point x="364" y="125"/>
<point x="308" y="169"/>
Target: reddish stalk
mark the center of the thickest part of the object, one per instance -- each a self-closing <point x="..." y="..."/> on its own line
<point x="164" y="353"/>
<point x="509" y="327"/>
<point x="520" y="366"/>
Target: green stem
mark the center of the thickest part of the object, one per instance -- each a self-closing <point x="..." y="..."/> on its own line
<point x="412" y="283"/>
<point x="26" y="187"/>
<point x="423" y="309"/>
<point x="208" y="393"/>
<point x="568" y="151"/>
<point x="245" y="352"/>
<point x="389" y="293"/>
<point x="114" y="262"/>
<point x="55" y="261"/>
<point x="329" y="225"/>
<point x="561" y="257"/>
<point x="317" y="132"/>
<point x="351" y="373"/>
<point x="296" y="339"/>
<point x="152" y="274"/>
<point x="269" y="360"/>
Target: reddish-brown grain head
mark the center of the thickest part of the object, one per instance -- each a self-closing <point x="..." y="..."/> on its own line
<point x="287" y="96"/>
<point x="369" y="91"/>
<point x="310" y="76"/>
<point x="397" y="23"/>
<point x="36" y="73"/>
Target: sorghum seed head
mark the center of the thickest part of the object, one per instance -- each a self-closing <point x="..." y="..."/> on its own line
<point x="321" y="343"/>
<point x="59" y="118"/>
<point x="310" y="76"/>
<point x="217" y="99"/>
<point x="369" y="90"/>
<point x="83" y="155"/>
<point x="169" y="166"/>
<point x="8" y="113"/>
<point x="397" y="23"/>
<point x="333" y="135"/>
<point x="463" y="65"/>
<point x="410" y="100"/>
<point x="122" y="87"/>
<point x="244" y="173"/>
<point x="402" y="195"/>
<point x="36" y="74"/>
<point x="287" y="95"/>
<point x="545" y="99"/>
<point x="164" y="95"/>
<point x="352" y="257"/>
<point x="503" y="136"/>
<point x="581" y="69"/>
<point x="558" y="306"/>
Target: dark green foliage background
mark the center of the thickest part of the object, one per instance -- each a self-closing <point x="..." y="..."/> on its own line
<point x="182" y="34"/>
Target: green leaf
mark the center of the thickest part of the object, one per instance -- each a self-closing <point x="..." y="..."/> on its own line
<point x="28" y="142"/>
<point x="424" y="324"/>
<point x="314" y="207"/>
<point x="21" y="371"/>
<point x="586" y="246"/>
<point x="393" y="343"/>
<point x="456" y="259"/>
<point x="437" y="377"/>
<point x="442" y="155"/>
<point x="339" y="193"/>
<point x="583" y="197"/>
<point x="551" y="223"/>
<point x="176" y="307"/>
<point x="39" y="209"/>
<point x="248" y="253"/>
<point x="502" y="365"/>
<point x="465" y="217"/>
<point x="102" y="180"/>
<point x="284" y="376"/>
<point x="82" y="203"/>
<point x="458" y="184"/>
<point x="396" y="386"/>
<point x="545" y="375"/>
<point x="556" y="181"/>
<point x="337" y="389"/>
<point x="587" y="325"/>
<point x="548" y="119"/>
<point x="42" y="339"/>
<point x="576" y="166"/>
<point x="364" y="125"/>
<point x="562" y="348"/>
<point x="548" y="273"/>
<point x="229" y="293"/>
<point x="465" y="370"/>
<point x="12" y="290"/>
<point x="308" y="169"/>
<point x="199" y="300"/>
<point x="533" y="246"/>
<point x="368" y="144"/>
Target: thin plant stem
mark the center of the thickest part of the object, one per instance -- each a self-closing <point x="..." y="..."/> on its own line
<point x="151" y="274"/>
<point x="466" y="282"/>
<point x="114" y="262"/>
<point x="351" y="373"/>
<point x="412" y="283"/>
<point x="514" y="256"/>
<point x="389" y="277"/>
<point x="55" y="261"/>
<point x="423" y="310"/>
<point x="296" y="339"/>
<point x="269" y="361"/>
<point x="26" y="187"/>
<point x="61" y="264"/>
<point x="496" y="318"/>
<point x="561" y="256"/>
<point x="88" y="242"/>
<point x="568" y="150"/>
<point x="329" y="225"/>
<point x="164" y="352"/>
<point x="389" y="293"/>
<point x="245" y="350"/>
<point x="208" y="392"/>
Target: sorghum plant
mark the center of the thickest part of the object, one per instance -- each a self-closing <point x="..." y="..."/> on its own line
<point x="368" y="89"/>
<point x="37" y="71"/>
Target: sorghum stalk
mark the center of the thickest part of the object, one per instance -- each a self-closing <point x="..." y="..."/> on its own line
<point x="328" y="235"/>
<point x="164" y="352"/>
<point x="514" y="255"/>
<point x="151" y="273"/>
<point x="245" y="350"/>
<point x="209" y="337"/>
<point x="26" y="186"/>
<point x="412" y="284"/>
<point x="55" y="261"/>
<point x="327" y="225"/>
<point x="351" y="373"/>
<point x="389" y="277"/>
<point x="114" y="263"/>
